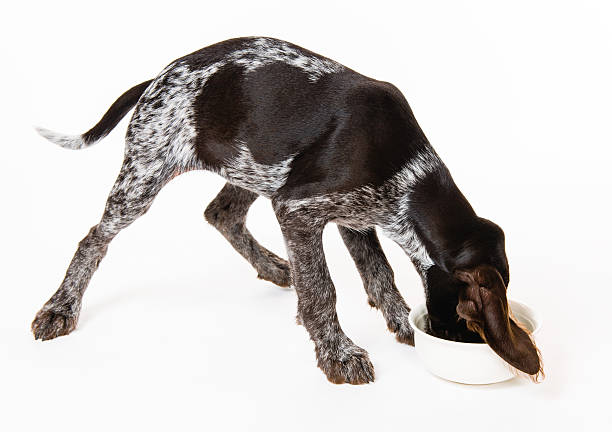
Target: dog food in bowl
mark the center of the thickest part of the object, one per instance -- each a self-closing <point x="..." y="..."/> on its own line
<point x="467" y="363"/>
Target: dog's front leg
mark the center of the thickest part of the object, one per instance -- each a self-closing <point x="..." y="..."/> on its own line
<point x="377" y="277"/>
<point x="340" y="359"/>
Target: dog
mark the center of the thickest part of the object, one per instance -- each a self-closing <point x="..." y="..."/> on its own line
<point x="324" y="144"/>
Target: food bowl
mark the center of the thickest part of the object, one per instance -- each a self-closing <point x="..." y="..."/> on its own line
<point x="466" y="363"/>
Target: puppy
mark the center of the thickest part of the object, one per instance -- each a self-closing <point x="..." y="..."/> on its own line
<point x="324" y="144"/>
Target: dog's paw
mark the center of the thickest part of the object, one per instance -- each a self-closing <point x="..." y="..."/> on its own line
<point x="402" y="329"/>
<point x="276" y="270"/>
<point x="349" y="364"/>
<point x="50" y="323"/>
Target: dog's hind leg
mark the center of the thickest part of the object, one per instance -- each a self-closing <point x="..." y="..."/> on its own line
<point x="142" y="176"/>
<point x="377" y="277"/>
<point x="227" y="212"/>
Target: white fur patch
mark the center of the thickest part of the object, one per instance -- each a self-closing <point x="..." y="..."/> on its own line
<point x="263" y="51"/>
<point x="245" y="172"/>
<point x="74" y="142"/>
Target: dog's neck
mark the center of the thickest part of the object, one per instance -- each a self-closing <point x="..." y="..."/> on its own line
<point x="432" y="220"/>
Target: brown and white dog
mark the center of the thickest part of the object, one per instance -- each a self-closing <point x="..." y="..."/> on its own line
<point x="324" y="144"/>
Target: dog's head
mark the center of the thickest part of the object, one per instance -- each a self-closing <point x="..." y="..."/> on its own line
<point x="484" y="306"/>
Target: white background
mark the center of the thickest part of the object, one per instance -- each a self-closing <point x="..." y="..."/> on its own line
<point x="176" y="332"/>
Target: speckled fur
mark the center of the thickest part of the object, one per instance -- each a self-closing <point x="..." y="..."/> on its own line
<point x="228" y="212"/>
<point x="377" y="277"/>
<point x="264" y="51"/>
<point x="161" y="143"/>
<point x="243" y="170"/>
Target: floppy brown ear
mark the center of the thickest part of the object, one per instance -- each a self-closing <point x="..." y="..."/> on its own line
<point x="483" y="304"/>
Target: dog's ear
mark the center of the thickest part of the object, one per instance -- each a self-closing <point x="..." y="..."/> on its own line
<point x="483" y="304"/>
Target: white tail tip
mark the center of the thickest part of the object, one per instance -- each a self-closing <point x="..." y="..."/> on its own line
<point x="74" y="142"/>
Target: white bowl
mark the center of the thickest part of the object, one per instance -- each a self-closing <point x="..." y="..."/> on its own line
<point x="467" y="363"/>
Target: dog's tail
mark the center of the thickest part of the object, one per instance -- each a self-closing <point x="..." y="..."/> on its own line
<point x="114" y="114"/>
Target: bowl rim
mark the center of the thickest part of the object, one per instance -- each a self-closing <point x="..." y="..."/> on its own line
<point x="421" y="308"/>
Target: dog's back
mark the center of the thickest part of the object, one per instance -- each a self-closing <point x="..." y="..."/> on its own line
<point x="275" y="118"/>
